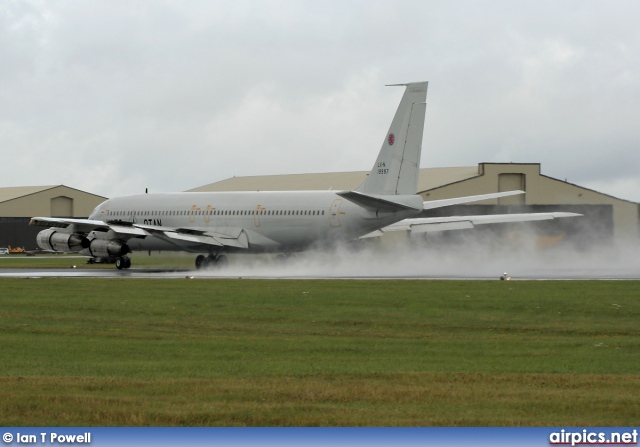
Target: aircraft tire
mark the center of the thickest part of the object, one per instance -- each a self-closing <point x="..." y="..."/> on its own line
<point x="222" y="261"/>
<point x="201" y="261"/>
<point x="210" y="261"/>
<point x="120" y="263"/>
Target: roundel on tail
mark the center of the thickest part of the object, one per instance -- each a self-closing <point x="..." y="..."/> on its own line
<point x="391" y="139"/>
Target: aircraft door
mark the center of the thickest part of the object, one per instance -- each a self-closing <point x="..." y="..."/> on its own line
<point x="334" y="213"/>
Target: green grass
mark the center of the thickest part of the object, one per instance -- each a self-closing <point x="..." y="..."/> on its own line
<point x="61" y="261"/>
<point x="307" y="353"/>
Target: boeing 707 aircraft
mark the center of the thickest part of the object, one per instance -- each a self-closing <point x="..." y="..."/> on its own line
<point x="214" y="223"/>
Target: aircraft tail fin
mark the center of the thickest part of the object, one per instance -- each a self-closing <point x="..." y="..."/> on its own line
<point x="398" y="165"/>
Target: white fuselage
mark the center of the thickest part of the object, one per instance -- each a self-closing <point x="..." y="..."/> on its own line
<point x="270" y="221"/>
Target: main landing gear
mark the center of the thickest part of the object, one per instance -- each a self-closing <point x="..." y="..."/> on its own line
<point x="123" y="262"/>
<point x="204" y="262"/>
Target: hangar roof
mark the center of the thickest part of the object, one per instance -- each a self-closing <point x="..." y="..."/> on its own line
<point x="58" y="200"/>
<point x="16" y="192"/>
<point x="429" y="178"/>
<point x="11" y="193"/>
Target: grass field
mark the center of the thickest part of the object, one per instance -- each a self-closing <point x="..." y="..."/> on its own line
<point x="60" y="261"/>
<point x="318" y="353"/>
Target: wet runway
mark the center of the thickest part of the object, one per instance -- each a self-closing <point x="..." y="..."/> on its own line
<point x="231" y="273"/>
<point x="381" y="265"/>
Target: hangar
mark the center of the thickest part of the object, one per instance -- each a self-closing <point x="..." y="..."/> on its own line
<point x="608" y="221"/>
<point x="19" y="204"/>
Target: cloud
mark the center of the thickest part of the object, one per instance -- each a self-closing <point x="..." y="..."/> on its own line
<point x="113" y="97"/>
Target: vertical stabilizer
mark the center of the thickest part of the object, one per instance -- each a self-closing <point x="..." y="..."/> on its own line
<point x="398" y="164"/>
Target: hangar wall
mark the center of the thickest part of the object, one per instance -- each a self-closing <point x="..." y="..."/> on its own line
<point x="19" y="204"/>
<point x="47" y="201"/>
<point x="15" y="231"/>
<point x="593" y="230"/>
<point x="624" y="222"/>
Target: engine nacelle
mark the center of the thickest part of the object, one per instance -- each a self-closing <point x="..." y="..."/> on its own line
<point x="101" y="248"/>
<point x="54" y="240"/>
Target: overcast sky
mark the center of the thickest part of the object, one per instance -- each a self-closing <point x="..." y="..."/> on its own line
<point x="112" y="97"/>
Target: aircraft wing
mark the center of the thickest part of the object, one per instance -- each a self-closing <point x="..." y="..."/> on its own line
<point x="221" y="237"/>
<point x="81" y="225"/>
<point x="430" y="224"/>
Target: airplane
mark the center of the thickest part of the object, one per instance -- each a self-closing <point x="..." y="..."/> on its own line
<point x="214" y="223"/>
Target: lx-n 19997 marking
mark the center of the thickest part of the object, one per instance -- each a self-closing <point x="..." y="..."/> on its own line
<point x="214" y="223"/>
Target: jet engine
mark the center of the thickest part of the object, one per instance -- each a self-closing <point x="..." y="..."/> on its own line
<point x="101" y="248"/>
<point x="54" y="240"/>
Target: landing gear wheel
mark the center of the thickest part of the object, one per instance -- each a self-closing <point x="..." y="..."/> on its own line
<point x="123" y="263"/>
<point x="210" y="261"/>
<point x="222" y="261"/>
<point x="203" y="262"/>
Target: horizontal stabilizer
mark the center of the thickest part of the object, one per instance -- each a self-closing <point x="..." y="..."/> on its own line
<point x="455" y="201"/>
<point x="374" y="202"/>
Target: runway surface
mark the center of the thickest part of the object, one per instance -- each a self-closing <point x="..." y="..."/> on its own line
<point x="554" y="274"/>
<point x="419" y="265"/>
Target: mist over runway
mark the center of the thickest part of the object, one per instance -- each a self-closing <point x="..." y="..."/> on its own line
<point x="403" y="261"/>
